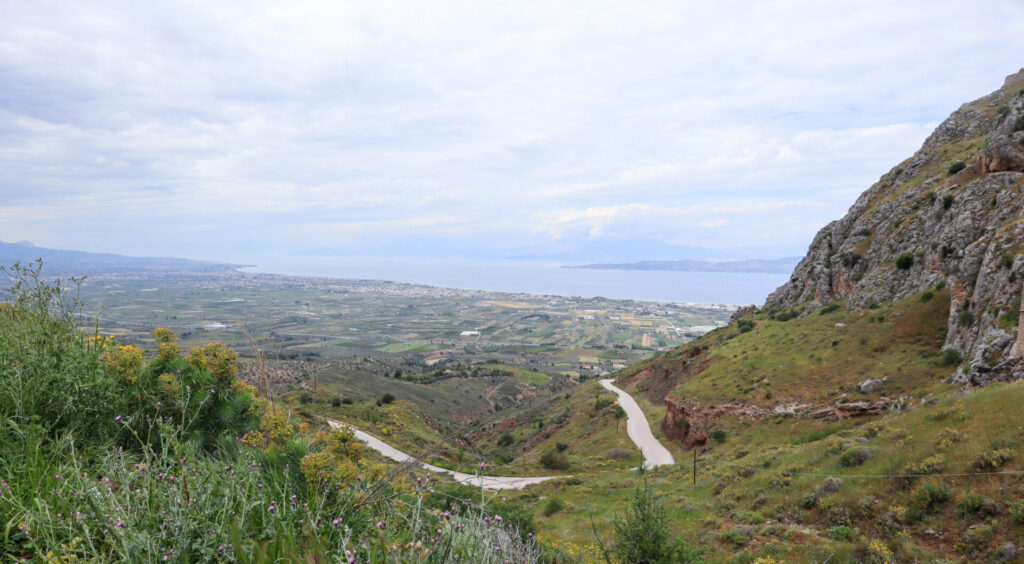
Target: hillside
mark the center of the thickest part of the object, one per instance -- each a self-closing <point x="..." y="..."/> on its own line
<point x="80" y="263"/>
<point x="897" y="332"/>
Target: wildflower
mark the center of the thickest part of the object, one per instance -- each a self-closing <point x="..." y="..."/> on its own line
<point x="118" y="418"/>
<point x="220" y="548"/>
<point x="482" y="464"/>
<point x="380" y="524"/>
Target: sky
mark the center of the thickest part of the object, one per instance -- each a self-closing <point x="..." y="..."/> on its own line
<point x="566" y="130"/>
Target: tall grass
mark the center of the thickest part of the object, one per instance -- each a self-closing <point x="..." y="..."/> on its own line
<point x="106" y="458"/>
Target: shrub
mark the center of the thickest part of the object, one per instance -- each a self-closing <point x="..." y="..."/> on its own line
<point x="719" y="436"/>
<point x="745" y="325"/>
<point x="828" y="309"/>
<point x="930" y="495"/>
<point x="872" y="430"/>
<point x="855" y="456"/>
<point x="346" y="401"/>
<point x="506" y="439"/>
<point x="643" y="533"/>
<point x="966" y="317"/>
<point x="554" y="460"/>
<point x="561" y="447"/>
<point x="166" y="344"/>
<point x="737" y="537"/>
<point x="217" y="359"/>
<point x="953" y="169"/>
<point x="992" y="459"/>
<point x="927" y="296"/>
<point x="387" y="398"/>
<point x="974" y="540"/>
<point x="843" y="533"/>
<point x="552" y="506"/>
<point x="940" y="285"/>
<point x="336" y="402"/>
<point x="951" y="357"/>
<point x="969" y="505"/>
<point x="947" y="438"/>
<point x="1017" y="513"/>
<point x="931" y="465"/>
<point x="905" y="261"/>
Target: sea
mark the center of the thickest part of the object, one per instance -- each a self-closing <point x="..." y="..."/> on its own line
<point x="539" y="277"/>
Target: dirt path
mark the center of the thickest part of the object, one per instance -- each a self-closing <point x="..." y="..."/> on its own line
<point x="487" y="482"/>
<point x="655" y="453"/>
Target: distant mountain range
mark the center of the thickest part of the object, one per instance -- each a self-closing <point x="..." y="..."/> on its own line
<point x="77" y="263"/>
<point x="774" y="266"/>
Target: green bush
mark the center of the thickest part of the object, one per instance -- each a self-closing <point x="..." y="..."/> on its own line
<point x="930" y="465"/>
<point x="552" y="505"/>
<point x="905" y="261"/>
<point x="966" y="317"/>
<point x="554" y="460"/>
<point x="992" y="459"/>
<point x="951" y="357"/>
<point x="1017" y="512"/>
<point x="927" y="296"/>
<point x="387" y="398"/>
<point x="643" y="533"/>
<point x="969" y="505"/>
<point x="719" y="436"/>
<point x="843" y="533"/>
<point x="953" y="169"/>
<point x="828" y="309"/>
<point x="974" y="540"/>
<point x="930" y="495"/>
<point x="745" y="325"/>
<point x="855" y="456"/>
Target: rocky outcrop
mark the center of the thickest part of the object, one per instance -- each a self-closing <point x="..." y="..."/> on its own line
<point x="689" y="424"/>
<point x="926" y="223"/>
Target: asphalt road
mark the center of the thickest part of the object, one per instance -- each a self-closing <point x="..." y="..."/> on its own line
<point x="655" y="453"/>
<point x="487" y="482"/>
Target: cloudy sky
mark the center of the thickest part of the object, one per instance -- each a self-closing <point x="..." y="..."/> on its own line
<point x="471" y="129"/>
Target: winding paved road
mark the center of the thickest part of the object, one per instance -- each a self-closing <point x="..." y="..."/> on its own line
<point x="487" y="482"/>
<point x="655" y="453"/>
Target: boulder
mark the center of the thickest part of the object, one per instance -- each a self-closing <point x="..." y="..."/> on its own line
<point x="871" y="385"/>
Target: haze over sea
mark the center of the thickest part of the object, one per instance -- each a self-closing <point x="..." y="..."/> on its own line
<point x="535" y="277"/>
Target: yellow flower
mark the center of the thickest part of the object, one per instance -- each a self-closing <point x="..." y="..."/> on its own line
<point x="123" y="363"/>
<point x="166" y="344"/>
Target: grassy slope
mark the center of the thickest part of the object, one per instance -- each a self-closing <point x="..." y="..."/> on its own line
<point x="752" y="493"/>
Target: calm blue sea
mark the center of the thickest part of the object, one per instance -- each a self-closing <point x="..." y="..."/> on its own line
<point x="540" y="278"/>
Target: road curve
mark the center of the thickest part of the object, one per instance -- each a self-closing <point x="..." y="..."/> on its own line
<point x="487" y="482"/>
<point x="655" y="454"/>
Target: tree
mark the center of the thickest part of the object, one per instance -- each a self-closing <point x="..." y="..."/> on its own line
<point x="619" y="414"/>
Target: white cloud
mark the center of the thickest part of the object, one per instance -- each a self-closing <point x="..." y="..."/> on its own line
<point x="506" y="121"/>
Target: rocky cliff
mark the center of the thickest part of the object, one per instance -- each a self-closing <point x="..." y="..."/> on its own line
<point x="952" y="214"/>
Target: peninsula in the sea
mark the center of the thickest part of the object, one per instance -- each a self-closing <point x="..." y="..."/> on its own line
<point x="782" y="265"/>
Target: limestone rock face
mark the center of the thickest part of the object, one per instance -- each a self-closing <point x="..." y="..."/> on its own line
<point x="925" y="223"/>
